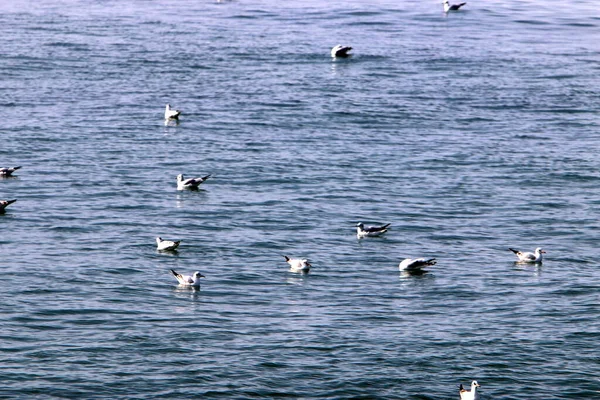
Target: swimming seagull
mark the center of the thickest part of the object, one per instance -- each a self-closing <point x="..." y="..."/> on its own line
<point x="171" y="113"/>
<point x="469" y="394"/>
<point x="8" y="171"/>
<point x="191" y="183"/>
<point x="453" y="7"/>
<point x="415" y="265"/>
<point x="535" y="257"/>
<point x="187" y="280"/>
<point x="166" y="245"/>
<point x="340" y="51"/>
<point x="298" y="265"/>
<point x="4" y="204"/>
<point x="362" y="232"/>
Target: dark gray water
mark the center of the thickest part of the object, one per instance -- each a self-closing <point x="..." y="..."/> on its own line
<point x="469" y="133"/>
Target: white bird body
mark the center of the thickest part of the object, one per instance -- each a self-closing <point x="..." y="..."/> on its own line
<point x="415" y="264"/>
<point x="472" y="394"/>
<point x="171" y="113"/>
<point x="4" y="204"/>
<point x="188" y="280"/>
<point x="298" y="265"/>
<point x="191" y="183"/>
<point x="526" y="257"/>
<point x="340" y="51"/>
<point x="362" y="231"/>
<point x="8" y="171"/>
<point x="453" y="7"/>
<point x="166" y="245"/>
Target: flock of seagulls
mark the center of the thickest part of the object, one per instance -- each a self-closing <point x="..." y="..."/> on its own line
<point x="301" y="265"/>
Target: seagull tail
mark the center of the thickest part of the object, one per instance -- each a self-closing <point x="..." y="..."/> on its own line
<point x="514" y="251"/>
<point x="286" y="258"/>
<point x="385" y="226"/>
<point x="431" y="261"/>
<point x="16" y="168"/>
<point x="10" y="201"/>
<point x="205" y="177"/>
<point x="175" y="273"/>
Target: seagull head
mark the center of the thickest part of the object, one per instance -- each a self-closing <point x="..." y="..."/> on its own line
<point x="198" y="275"/>
<point x="360" y="225"/>
<point x="305" y="262"/>
<point x="474" y="384"/>
<point x="179" y="177"/>
<point x="539" y="250"/>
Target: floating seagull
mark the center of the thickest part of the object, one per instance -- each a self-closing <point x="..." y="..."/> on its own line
<point x="469" y="394"/>
<point x="191" y="183"/>
<point x="8" y="171"/>
<point x="298" y="265"/>
<point x="4" y="204"/>
<point x="362" y="232"/>
<point x="415" y="265"/>
<point x="170" y="113"/>
<point x="453" y="7"/>
<point x="187" y="280"/>
<point x="529" y="257"/>
<point x="167" y="245"/>
<point x="340" y="51"/>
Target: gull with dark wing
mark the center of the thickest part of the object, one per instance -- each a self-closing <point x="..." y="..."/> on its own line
<point x="191" y="183"/>
<point x="6" y="172"/>
<point x="525" y="257"/>
<point x="466" y="394"/>
<point x="4" y="204"/>
<point x="298" y="265"/>
<point x="166" y="245"/>
<point x="416" y="265"/>
<point x="171" y="113"/>
<point x="362" y="231"/>
<point x="340" y="51"/>
<point x="453" y="7"/>
<point x="188" y="280"/>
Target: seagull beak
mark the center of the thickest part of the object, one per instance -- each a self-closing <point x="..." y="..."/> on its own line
<point x="543" y="251"/>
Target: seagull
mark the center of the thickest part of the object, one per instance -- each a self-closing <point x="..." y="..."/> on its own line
<point x="469" y="394"/>
<point x="6" y="172"/>
<point x="187" y="280"/>
<point x="4" y="204"/>
<point x="535" y="257"/>
<point x="167" y="245"/>
<point x="191" y="183"/>
<point x="362" y="232"/>
<point x="453" y="7"/>
<point x="171" y="113"/>
<point x="415" y="264"/>
<point x="340" y="51"/>
<point x="298" y="265"/>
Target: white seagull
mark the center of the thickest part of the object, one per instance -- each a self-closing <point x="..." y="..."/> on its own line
<point x="362" y="232"/>
<point x="171" y="113"/>
<point x="453" y="7"/>
<point x="8" y="171"/>
<point x="340" y="51"/>
<point x="415" y="265"/>
<point x="4" y="204"/>
<point x="191" y="183"/>
<point x="535" y="257"/>
<point x="166" y="245"/>
<point x="298" y="265"/>
<point x="187" y="280"/>
<point x="469" y="394"/>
